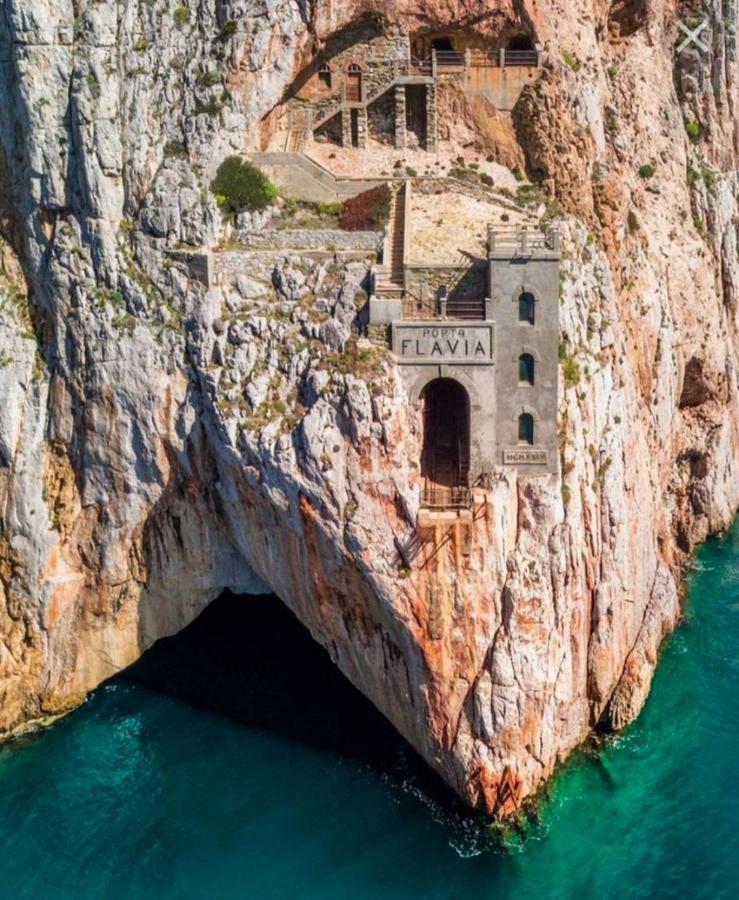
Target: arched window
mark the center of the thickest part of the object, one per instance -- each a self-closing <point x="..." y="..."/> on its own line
<point x="526" y="304"/>
<point x="324" y="77"/>
<point x="525" y="428"/>
<point x="525" y="369"/>
<point x="354" y="83"/>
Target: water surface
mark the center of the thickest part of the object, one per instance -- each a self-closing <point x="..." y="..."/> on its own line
<point x="304" y="792"/>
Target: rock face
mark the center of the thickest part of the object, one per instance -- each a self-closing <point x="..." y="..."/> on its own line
<point x="161" y="441"/>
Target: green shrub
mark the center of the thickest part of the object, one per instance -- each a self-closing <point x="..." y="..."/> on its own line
<point x="239" y="185"/>
<point x="181" y="16"/>
<point x="646" y="171"/>
<point x="228" y="30"/>
<point x="693" y="128"/>
<point x="486" y="179"/>
<point x="570" y="368"/>
<point x="367" y="211"/>
<point x="571" y="61"/>
<point x="410" y="172"/>
<point x="328" y="210"/>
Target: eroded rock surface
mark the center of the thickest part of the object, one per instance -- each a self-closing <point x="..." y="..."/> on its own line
<point x="161" y="441"/>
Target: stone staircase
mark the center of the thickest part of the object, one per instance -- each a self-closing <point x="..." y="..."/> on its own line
<point x="465" y="308"/>
<point x="392" y="276"/>
<point x="335" y="110"/>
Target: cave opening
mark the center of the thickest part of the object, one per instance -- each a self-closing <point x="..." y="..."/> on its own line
<point x="249" y="659"/>
<point x="520" y="42"/>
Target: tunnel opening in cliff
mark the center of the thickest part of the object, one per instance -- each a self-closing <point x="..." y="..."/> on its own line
<point x="248" y="658"/>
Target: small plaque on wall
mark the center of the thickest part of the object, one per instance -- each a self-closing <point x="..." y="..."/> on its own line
<point x="526" y="456"/>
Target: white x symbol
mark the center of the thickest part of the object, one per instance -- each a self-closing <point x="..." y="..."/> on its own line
<point x="692" y="36"/>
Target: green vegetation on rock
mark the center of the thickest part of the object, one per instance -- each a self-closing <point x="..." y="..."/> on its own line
<point x="239" y="186"/>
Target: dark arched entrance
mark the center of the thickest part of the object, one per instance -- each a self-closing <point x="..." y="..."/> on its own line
<point x="445" y="461"/>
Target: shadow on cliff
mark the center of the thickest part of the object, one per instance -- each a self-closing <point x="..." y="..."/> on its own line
<point x="248" y="658"/>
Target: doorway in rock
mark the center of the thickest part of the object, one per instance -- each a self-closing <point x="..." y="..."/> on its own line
<point x="415" y="112"/>
<point x="443" y="44"/>
<point x="520" y="42"/>
<point x="445" y="461"/>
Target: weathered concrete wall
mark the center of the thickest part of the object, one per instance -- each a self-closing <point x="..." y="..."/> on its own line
<point x="509" y="278"/>
<point x="501" y="86"/>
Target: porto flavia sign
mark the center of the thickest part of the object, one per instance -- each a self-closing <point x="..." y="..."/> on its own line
<point x="424" y="343"/>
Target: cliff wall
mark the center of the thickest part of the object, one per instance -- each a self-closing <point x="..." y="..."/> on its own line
<point x="161" y="441"/>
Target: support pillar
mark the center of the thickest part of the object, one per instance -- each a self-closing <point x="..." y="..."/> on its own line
<point x="431" y="117"/>
<point x="400" y="117"/>
<point x="346" y="127"/>
<point x="362" y="127"/>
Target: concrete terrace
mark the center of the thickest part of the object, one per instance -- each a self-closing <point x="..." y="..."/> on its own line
<point x="447" y="224"/>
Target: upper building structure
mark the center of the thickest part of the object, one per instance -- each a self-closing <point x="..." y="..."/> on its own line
<point x="402" y="89"/>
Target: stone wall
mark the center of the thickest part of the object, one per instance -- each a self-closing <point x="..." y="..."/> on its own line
<point x="381" y="118"/>
<point x="425" y="282"/>
<point x="311" y="239"/>
<point x="375" y="54"/>
<point x="230" y="266"/>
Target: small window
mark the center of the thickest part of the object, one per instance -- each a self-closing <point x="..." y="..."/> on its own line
<point x="324" y="77"/>
<point x="526" y="304"/>
<point x="525" y="369"/>
<point x="526" y="429"/>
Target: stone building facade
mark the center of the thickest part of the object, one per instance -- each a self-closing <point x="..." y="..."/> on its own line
<point x="503" y="361"/>
<point x="385" y="86"/>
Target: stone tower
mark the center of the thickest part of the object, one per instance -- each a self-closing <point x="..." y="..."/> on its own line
<point x="524" y="286"/>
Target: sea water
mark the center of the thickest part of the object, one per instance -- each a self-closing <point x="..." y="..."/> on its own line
<point x="224" y="766"/>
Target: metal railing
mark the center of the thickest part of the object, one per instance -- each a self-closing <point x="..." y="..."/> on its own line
<point x="435" y="496"/>
<point x="413" y="66"/>
<point x="520" y="57"/>
<point x="459" y="59"/>
<point x="521" y="240"/>
<point x="448" y="59"/>
<point x="415" y="307"/>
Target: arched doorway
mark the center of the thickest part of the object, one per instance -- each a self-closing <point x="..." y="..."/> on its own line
<point x="445" y="461"/>
<point x="354" y="84"/>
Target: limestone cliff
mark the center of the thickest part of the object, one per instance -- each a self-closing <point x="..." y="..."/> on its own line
<point x="161" y="441"/>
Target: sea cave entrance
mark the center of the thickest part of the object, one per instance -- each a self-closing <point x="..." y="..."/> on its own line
<point x="445" y="460"/>
<point x="248" y="658"/>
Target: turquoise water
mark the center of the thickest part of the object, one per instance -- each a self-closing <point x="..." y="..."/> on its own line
<point x="141" y="794"/>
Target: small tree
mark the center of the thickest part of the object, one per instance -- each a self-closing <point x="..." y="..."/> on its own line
<point x="239" y="186"/>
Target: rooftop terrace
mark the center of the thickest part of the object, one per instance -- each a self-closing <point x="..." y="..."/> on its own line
<point x="448" y="224"/>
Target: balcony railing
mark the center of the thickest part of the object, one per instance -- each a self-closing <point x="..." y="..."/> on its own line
<point x="410" y="67"/>
<point x="434" y="496"/>
<point x="521" y="57"/>
<point x="521" y="240"/>
<point x="455" y="60"/>
<point x="449" y="59"/>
